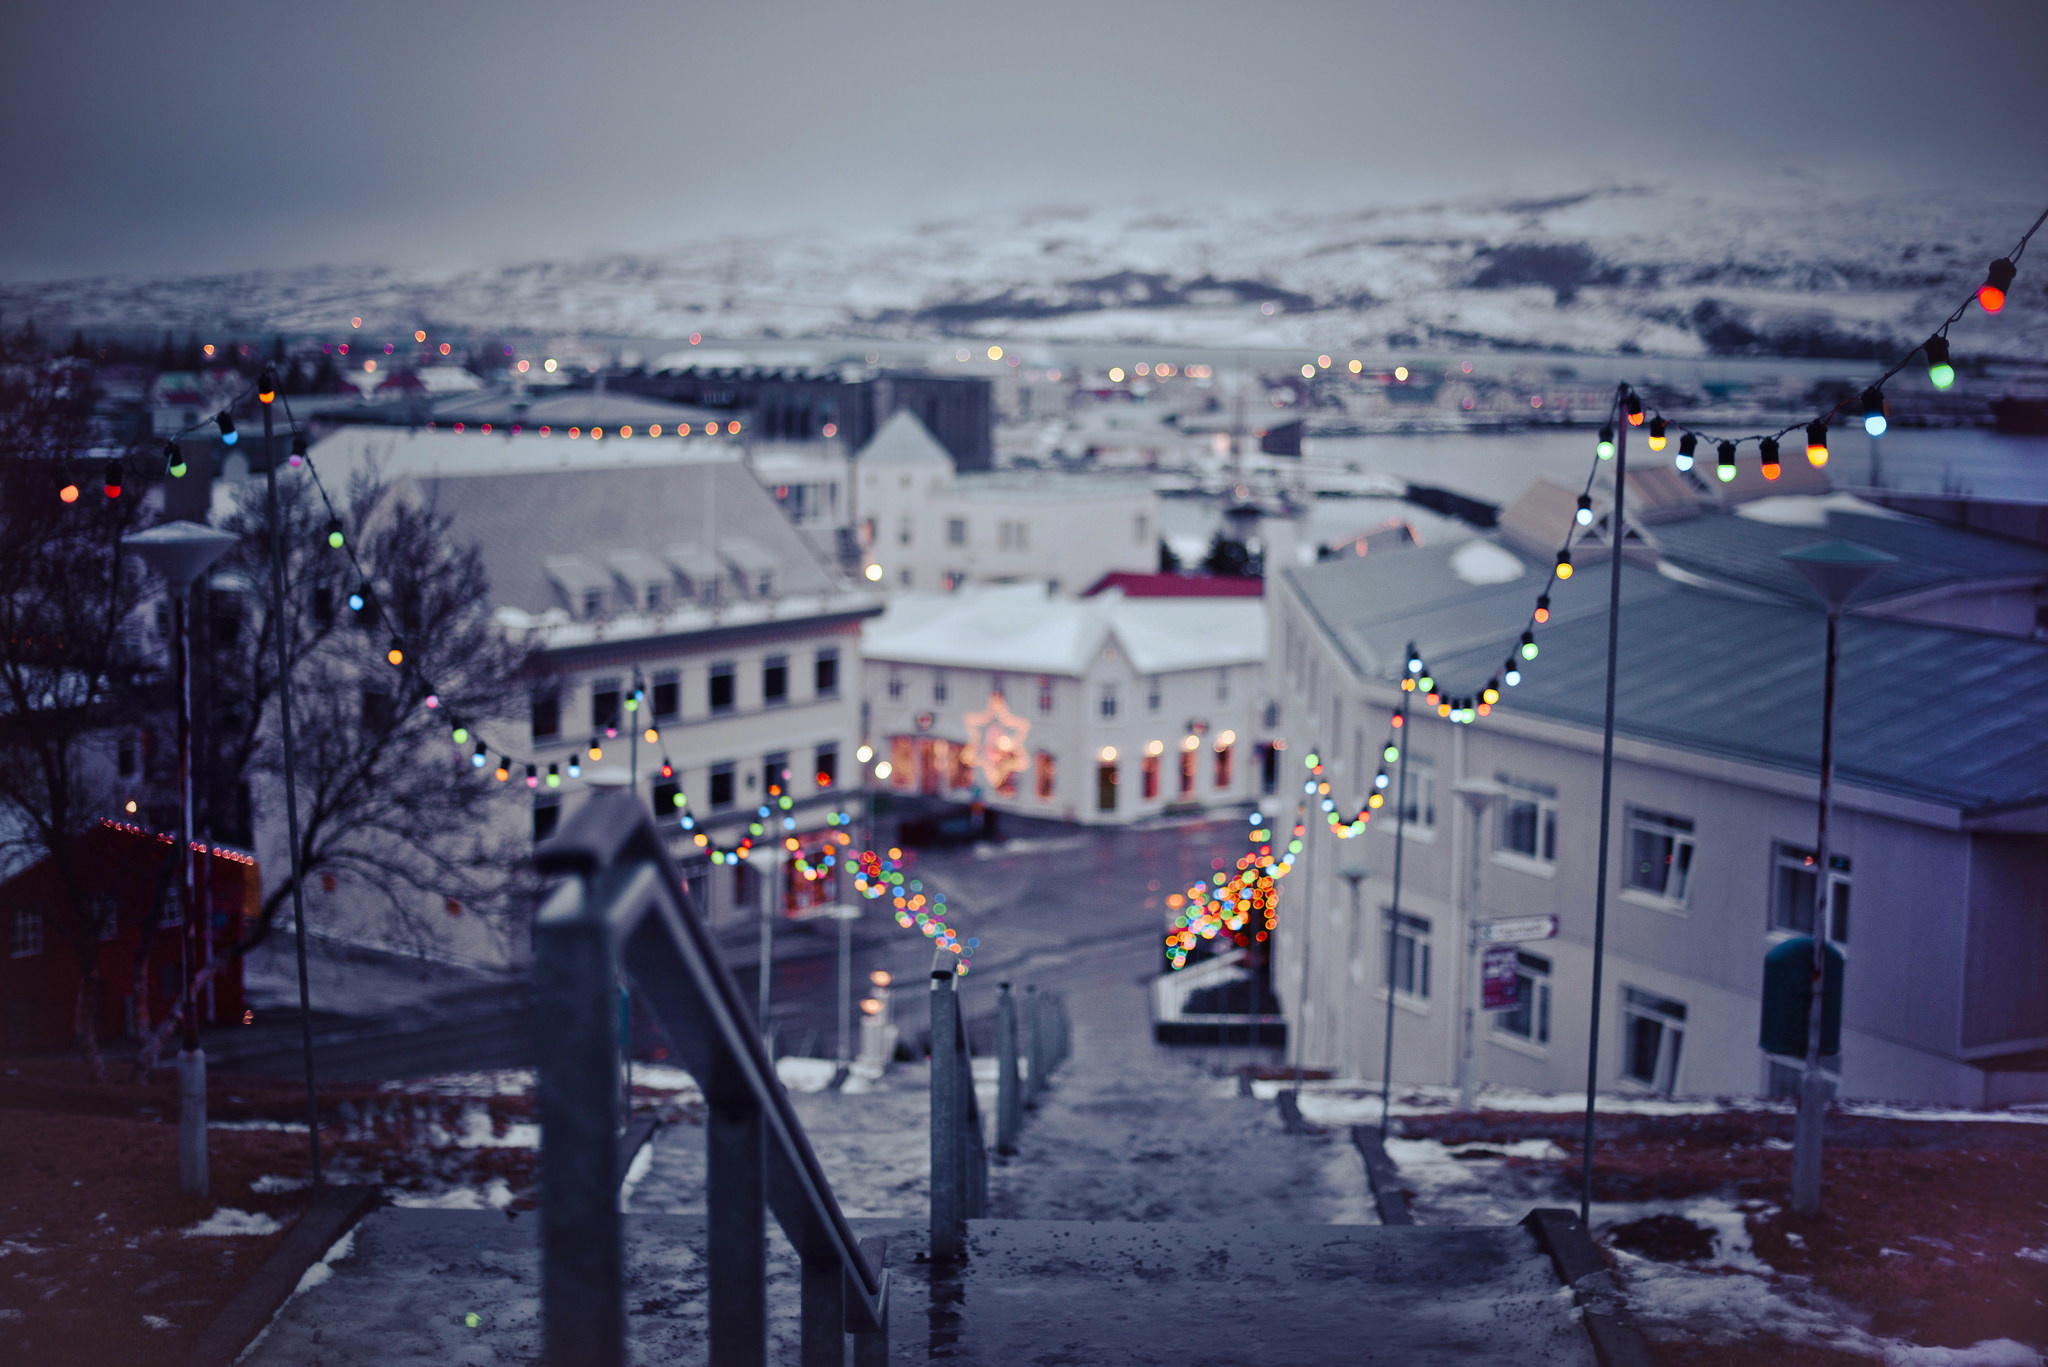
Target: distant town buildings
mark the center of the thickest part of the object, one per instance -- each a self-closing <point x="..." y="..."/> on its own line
<point x="924" y="526"/>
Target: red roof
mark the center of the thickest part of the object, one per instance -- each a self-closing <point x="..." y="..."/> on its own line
<point x="1177" y="585"/>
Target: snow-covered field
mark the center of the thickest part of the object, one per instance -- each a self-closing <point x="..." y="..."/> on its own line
<point x="1786" y="267"/>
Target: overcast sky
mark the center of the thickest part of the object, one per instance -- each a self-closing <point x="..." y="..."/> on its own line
<point x="148" y="137"/>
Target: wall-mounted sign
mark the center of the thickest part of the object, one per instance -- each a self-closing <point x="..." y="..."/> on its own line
<point x="1516" y="929"/>
<point x="1501" y="988"/>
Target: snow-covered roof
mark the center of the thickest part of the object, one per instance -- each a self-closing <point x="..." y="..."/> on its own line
<point x="903" y="440"/>
<point x="1020" y="627"/>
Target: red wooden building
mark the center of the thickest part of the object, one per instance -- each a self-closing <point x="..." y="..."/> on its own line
<point x="125" y="867"/>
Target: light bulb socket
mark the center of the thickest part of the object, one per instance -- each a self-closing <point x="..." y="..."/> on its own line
<point x="2001" y="274"/>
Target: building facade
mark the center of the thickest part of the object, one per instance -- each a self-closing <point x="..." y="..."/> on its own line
<point x="1100" y="711"/>
<point x="1938" y="845"/>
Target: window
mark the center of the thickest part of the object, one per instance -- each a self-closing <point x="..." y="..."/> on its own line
<point x="1223" y="685"/>
<point x="775" y="771"/>
<point x="721" y="785"/>
<point x="951" y="580"/>
<point x="1530" y="1020"/>
<point x="1105" y="786"/>
<point x="1187" y="772"/>
<point x="28" y="932"/>
<point x="827" y="770"/>
<point x="124" y="757"/>
<point x="775" y="681"/>
<point x="1152" y="695"/>
<point x="1653" y="1030"/>
<point x="956" y="531"/>
<point x="825" y="673"/>
<point x="666" y="794"/>
<point x="1223" y="766"/>
<point x="593" y="602"/>
<point x="938" y="686"/>
<point x="1269" y="770"/>
<point x="1148" y="777"/>
<point x="668" y="696"/>
<point x="1047" y="769"/>
<point x="721" y="688"/>
<point x="379" y="710"/>
<point x="1793" y="885"/>
<point x="766" y="584"/>
<point x="604" y="706"/>
<point x="1013" y="536"/>
<point x="1045" y="696"/>
<point x="547" y="815"/>
<point x="1411" y="956"/>
<point x="1528" y="820"/>
<point x="1421" y="792"/>
<point x="895" y="686"/>
<point x="903" y="530"/>
<point x="1106" y="704"/>
<point x="1659" y="855"/>
<point x="654" y="597"/>
<point x="545" y="709"/>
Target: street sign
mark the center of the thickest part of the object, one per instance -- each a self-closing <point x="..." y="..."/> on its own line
<point x="1502" y="989"/>
<point x="1517" y="928"/>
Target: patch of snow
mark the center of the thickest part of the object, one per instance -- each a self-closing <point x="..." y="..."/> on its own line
<point x="271" y="1185"/>
<point x="805" y="1074"/>
<point x="270" y="1125"/>
<point x="1808" y="510"/>
<point x="2038" y="1255"/>
<point x="643" y="1159"/>
<point x="9" y="1316"/>
<point x="316" y="1275"/>
<point x="157" y="1322"/>
<point x="479" y="1132"/>
<point x="227" y="1222"/>
<point x="497" y="1082"/>
<point x="1989" y="1353"/>
<point x="666" y="1077"/>
<point x="495" y="1196"/>
<point x="1482" y="562"/>
<point x="8" y="1246"/>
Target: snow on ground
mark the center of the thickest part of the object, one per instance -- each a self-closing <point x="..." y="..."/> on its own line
<point x="1354" y="1103"/>
<point x="228" y="1221"/>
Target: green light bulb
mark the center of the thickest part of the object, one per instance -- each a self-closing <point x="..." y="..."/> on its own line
<point x="1943" y="375"/>
<point x="335" y="539"/>
<point x="461" y="735"/>
<point x="1391" y="753"/>
<point x="1529" y="650"/>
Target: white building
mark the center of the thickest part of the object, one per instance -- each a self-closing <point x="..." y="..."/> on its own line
<point x="925" y="527"/>
<point x="1100" y="710"/>
<point x="664" y="568"/>
<point x="1939" y="843"/>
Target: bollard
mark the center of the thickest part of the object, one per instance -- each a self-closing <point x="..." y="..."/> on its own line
<point x="1006" y="1072"/>
<point x="947" y="1141"/>
<point x="1034" y="1064"/>
<point x="192" y="1120"/>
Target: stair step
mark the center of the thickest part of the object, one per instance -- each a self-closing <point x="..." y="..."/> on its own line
<point x="1220" y="1293"/>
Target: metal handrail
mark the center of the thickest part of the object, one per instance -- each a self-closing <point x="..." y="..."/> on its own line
<point x="621" y="907"/>
<point x="959" y="1189"/>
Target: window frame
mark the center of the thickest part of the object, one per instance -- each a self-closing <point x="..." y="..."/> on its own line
<point x="726" y="672"/>
<point x="825" y="673"/>
<point x="1790" y="858"/>
<point x="544" y="705"/>
<point x="601" y="718"/>
<point x="724" y="774"/>
<point x="825" y="764"/>
<point x="1535" y="977"/>
<point x="1413" y="937"/>
<point x="1541" y="800"/>
<point x="1640" y="1006"/>
<point x="1682" y="834"/>
<point x="775" y="681"/>
<point x="667" y="695"/>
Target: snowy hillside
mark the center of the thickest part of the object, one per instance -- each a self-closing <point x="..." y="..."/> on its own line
<point x="1785" y="270"/>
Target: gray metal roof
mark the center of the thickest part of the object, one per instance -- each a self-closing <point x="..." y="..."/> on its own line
<point x="1954" y="717"/>
<point x="523" y="522"/>
<point x="1747" y="551"/>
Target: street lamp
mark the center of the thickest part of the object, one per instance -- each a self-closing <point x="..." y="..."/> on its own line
<point x="1835" y="570"/>
<point x="1479" y="794"/>
<point x="181" y="552"/>
<point x="1354" y="871"/>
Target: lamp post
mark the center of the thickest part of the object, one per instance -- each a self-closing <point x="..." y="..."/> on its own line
<point x="1835" y="570"/>
<point x="1479" y="794"/>
<point x="1354" y="871"/>
<point x="181" y="552"/>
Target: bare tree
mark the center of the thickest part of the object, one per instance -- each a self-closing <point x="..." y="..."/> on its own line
<point x="71" y="664"/>
<point x="384" y="796"/>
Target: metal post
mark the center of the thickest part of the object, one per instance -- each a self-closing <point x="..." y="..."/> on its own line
<point x="192" y="1148"/>
<point x="1034" y="1059"/>
<point x="735" y="1227"/>
<point x="1006" y="1071"/>
<point x="1808" y="1130"/>
<point x="1394" y="913"/>
<point x="767" y="966"/>
<point x="583" y="1318"/>
<point x="1615" y="528"/>
<point x="291" y="789"/>
<point x="1299" y="1036"/>
<point x="945" y="1121"/>
<point x="845" y="1052"/>
<point x="1478" y="795"/>
<point x="822" y="1323"/>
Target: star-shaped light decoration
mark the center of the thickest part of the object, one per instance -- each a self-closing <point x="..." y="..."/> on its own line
<point x="995" y="741"/>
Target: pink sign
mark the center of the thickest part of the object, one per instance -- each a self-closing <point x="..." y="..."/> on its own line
<point x="1497" y="973"/>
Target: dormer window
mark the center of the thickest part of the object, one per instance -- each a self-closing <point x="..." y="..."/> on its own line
<point x="593" y="602"/>
<point x="654" y="598"/>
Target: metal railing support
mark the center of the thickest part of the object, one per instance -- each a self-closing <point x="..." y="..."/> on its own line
<point x="1008" y="1106"/>
<point x="947" y="1204"/>
<point x="736" y="1227"/>
<point x="583" y="1315"/>
<point x="622" y="904"/>
<point x="1034" y="1045"/>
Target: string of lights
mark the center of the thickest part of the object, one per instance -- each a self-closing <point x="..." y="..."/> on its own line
<point x="1990" y="296"/>
<point x="878" y="874"/>
<point x="1227" y="902"/>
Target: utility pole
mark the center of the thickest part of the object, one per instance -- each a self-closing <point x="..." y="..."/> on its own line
<point x="1479" y="794"/>
<point x="1394" y="911"/>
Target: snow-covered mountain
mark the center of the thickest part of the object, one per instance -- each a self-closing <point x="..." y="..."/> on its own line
<point x="1778" y="270"/>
